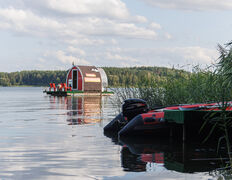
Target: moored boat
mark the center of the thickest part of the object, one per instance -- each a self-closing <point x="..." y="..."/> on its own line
<point x="137" y="119"/>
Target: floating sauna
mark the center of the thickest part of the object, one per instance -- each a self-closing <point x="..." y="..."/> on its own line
<point x="87" y="79"/>
<point x="82" y="80"/>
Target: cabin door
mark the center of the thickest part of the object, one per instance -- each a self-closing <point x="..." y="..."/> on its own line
<point x="75" y="79"/>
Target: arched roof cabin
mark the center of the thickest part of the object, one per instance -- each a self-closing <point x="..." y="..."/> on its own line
<point x="86" y="79"/>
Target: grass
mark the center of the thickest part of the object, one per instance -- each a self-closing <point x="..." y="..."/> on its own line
<point x="195" y="87"/>
<point x="212" y="84"/>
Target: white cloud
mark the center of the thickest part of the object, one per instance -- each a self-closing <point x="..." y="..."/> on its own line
<point x="77" y="51"/>
<point x="121" y="58"/>
<point x="69" y="59"/>
<point x="196" y="55"/>
<point x="141" y="19"/>
<point x="101" y="8"/>
<point x="194" y="5"/>
<point x="164" y="56"/>
<point x="132" y="31"/>
<point x="106" y="27"/>
<point x="25" y="21"/>
<point x="83" y="40"/>
<point x="155" y="25"/>
<point x="70" y="29"/>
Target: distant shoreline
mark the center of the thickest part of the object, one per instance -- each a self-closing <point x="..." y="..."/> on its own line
<point x="117" y="77"/>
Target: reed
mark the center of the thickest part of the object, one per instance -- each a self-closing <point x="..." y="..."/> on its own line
<point x="223" y="92"/>
<point x="211" y="84"/>
<point x="185" y="88"/>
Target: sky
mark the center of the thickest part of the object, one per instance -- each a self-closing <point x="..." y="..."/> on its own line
<point x="51" y="34"/>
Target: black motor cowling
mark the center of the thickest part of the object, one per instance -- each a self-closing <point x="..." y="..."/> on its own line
<point x="133" y="107"/>
<point x="130" y="109"/>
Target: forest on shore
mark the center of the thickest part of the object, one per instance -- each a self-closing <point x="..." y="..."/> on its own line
<point x="117" y="77"/>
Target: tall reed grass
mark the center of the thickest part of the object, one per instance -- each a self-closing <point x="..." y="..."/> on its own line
<point x="186" y="88"/>
<point x="211" y="84"/>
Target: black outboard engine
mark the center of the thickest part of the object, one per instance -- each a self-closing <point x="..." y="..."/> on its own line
<point x="134" y="107"/>
<point x="130" y="109"/>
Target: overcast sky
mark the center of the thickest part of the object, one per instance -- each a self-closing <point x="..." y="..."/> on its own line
<point x="51" y="34"/>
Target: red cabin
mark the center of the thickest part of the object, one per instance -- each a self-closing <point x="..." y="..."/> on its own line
<point x="86" y="79"/>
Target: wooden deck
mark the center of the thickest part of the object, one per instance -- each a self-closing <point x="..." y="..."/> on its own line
<point x="77" y="93"/>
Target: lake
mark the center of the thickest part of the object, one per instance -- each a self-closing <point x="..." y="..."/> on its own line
<point x="45" y="137"/>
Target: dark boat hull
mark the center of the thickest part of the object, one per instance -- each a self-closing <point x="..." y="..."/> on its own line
<point x="137" y="127"/>
<point x="184" y="121"/>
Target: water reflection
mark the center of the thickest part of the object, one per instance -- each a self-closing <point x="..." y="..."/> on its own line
<point x="80" y="109"/>
<point x="83" y="109"/>
<point x="153" y="154"/>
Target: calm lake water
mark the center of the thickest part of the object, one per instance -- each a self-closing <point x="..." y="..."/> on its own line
<point x="44" y="137"/>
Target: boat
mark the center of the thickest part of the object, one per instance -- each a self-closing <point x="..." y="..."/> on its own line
<point x="137" y="119"/>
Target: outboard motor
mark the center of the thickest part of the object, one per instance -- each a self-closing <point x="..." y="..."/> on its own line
<point x="134" y="107"/>
<point x="130" y="109"/>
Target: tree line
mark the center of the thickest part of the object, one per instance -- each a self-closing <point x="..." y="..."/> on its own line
<point x="117" y="77"/>
<point x="31" y="78"/>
